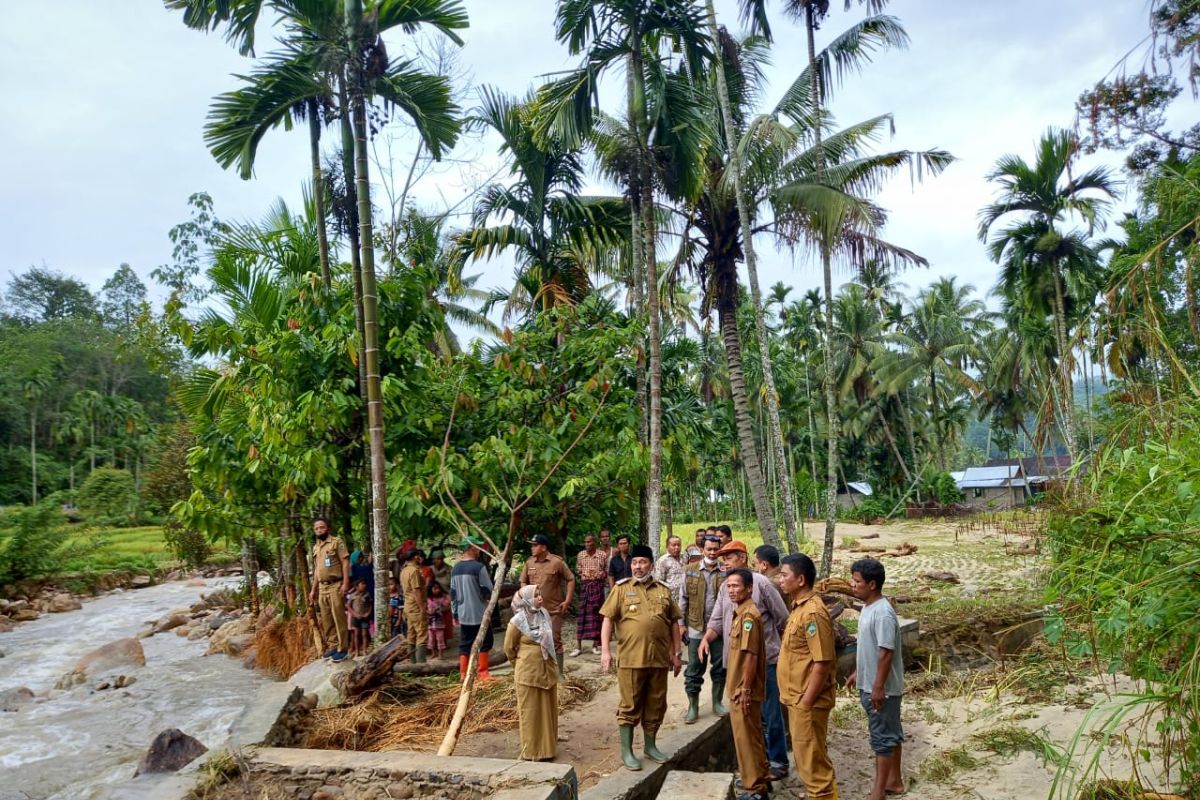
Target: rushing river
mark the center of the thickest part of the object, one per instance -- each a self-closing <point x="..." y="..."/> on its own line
<point x="81" y="744"/>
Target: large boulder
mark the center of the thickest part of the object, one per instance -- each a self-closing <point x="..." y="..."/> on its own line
<point x="141" y="581"/>
<point x="5" y="624"/>
<point x="221" y="640"/>
<point x="62" y="602"/>
<point x="170" y="751"/>
<point x="172" y="620"/>
<point x="25" y="615"/>
<point x="13" y="699"/>
<point x="114" y="656"/>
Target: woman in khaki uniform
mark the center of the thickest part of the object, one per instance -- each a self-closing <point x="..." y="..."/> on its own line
<point x="529" y="645"/>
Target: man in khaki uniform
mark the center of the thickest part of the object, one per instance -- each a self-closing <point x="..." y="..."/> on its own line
<point x="556" y="582"/>
<point x="807" y="679"/>
<point x="330" y="583"/>
<point x="646" y="618"/>
<point x="747" y="686"/>
<point x="412" y="584"/>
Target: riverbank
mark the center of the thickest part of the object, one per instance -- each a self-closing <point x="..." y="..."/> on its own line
<point x="83" y="742"/>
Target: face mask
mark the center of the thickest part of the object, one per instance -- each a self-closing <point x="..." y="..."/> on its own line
<point x="645" y="578"/>
<point x="710" y="562"/>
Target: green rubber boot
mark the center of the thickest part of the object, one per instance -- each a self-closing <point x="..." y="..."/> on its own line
<point x="650" y="749"/>
<point x="718" y="693"/>
<point x="419" y="655"/>
<point x="627" y="757"/>
<point x="693" y="710"/>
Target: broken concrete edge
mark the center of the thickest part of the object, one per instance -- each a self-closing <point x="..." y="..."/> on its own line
<point x="690" y="747"/>
<point x="680" y="785"/>
<point x="513" y="780"/>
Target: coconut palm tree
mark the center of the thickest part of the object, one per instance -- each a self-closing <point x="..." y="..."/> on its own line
<point x="1036" y="252"/>
<point x="639" y="36"/>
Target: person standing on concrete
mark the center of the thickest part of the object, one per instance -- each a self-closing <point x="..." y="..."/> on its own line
<point x="880" y="674"/>
<point x="529" y="645"/>
<point x="670" y="565"/>
<point x="330" y="584"/>
<point x="701" y="584"/>
<point x="556" y="582"/>
<point x="807" y="677"/>
<point x="747" y="686"/>
<point x="775" y="615"/>
<point x="591" y="565"/>
<point x="470" y="591"/>
<point x="645" y="617"/>
<point x="412" y="583"/>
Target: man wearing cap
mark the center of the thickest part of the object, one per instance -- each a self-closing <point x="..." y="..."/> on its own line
<point x="645" y="617"/>
<point x="330" y="584"/>
<point x="412" y="584"/>
<point x="470" y="591"/>
<point x="775" y="615"/>
<point x="551" y="575"/>
<point x="592" y="567"/>
<point x="698" y="597"/>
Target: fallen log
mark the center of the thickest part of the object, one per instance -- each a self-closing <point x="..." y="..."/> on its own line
<point x="869" y="536"/>
<point x="374" y="670"/>
<point x="869" y="548"/>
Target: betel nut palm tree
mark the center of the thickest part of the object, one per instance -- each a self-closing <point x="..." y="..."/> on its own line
<point x="1039" y="258"/>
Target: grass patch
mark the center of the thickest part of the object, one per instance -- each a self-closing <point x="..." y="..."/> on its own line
<point x="948" y="613"/>
<point x="941" y="767"/>
<point x="218" y="770"/>
<point x="849" y="714"/>
<point x="114" y="549"/>
<point x="1007" y="740"/>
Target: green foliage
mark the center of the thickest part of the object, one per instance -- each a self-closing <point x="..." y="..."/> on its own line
<point x="188" y="545"/>
<point x="31" y="542"/>
<point x="940" y="486"/>
<point x="108" y="496"/>
<point x="1126" y="564"/>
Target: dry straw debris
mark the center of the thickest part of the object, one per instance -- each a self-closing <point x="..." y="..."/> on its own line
<point x="412" y="714"/>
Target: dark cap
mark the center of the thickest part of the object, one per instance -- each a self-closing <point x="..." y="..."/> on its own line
<point x="641" y="551"/>
<point x="541" y="539"/>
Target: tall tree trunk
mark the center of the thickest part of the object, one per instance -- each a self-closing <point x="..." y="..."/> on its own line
<point x="314" y="148"/>
<point x="831" y="466"/>
<point x="751" y="465"/>
<point x="638" y="285"/>
<point x="33" y="452"/>
<point x="379" y="509"/>
<point x="654" y="481"/>
<point x="933" y="416"/>
<point x="1066" y="391"/>
<point x="891" y="440"/>
<point x="775" y="427"/>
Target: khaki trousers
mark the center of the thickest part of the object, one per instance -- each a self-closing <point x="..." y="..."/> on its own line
<point x="332" y="606"/>
<point x="751" y="752"/>
<point x="810" y="728"/>
<point x="556" y="623"/>
<point x="418" y="627"/>
<point x="643" y="697"/>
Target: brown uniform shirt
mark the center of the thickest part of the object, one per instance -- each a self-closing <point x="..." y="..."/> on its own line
<point x="551" y="576"/>
<point x="327" y="557"/>
<point x="746" y="640"/>
<point x="807" y="638"/>
<point x="413" y="586"/>
<point x="644" y="615"/>
<point x="530" y="665"/>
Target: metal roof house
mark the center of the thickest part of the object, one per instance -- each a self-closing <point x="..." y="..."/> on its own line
<point x="853" y="493"/>
<point x="994" y="488"/>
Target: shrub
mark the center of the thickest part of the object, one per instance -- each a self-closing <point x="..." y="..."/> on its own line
<point x="187" y="544"/>
<point x="31" y="542"/>
<point x="108" y="496"/>
<point x="941" y="487"/>
<point x="871" y="509"/>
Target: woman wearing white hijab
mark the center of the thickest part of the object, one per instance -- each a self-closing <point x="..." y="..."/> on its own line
<point x="529" y="644"/>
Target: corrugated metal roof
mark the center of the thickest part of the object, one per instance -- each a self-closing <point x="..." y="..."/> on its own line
<point x="862" y="487"/>
<point x="991" y="477"/>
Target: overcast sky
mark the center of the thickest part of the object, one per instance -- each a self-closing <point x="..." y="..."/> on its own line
<point x="106" y="103"/>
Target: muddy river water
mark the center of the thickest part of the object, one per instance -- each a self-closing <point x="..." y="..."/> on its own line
<point x="82" y="744"/>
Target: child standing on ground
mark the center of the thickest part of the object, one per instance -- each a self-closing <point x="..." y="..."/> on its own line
<point x="394" y="601"/>
<point x="436" y="605"/>
<point x="362" y="609"/>
<point x="880" y="675"/>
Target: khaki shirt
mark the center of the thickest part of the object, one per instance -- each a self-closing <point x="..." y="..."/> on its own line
<point x="530" y="665"/>
<point x="807" y="638"/>
<point x="413" y="586"/>
<point x="551" y="575"/>
<point x="327" y="558"/>
<point x="644" y="616"/>
<point x="746" y="640"/>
